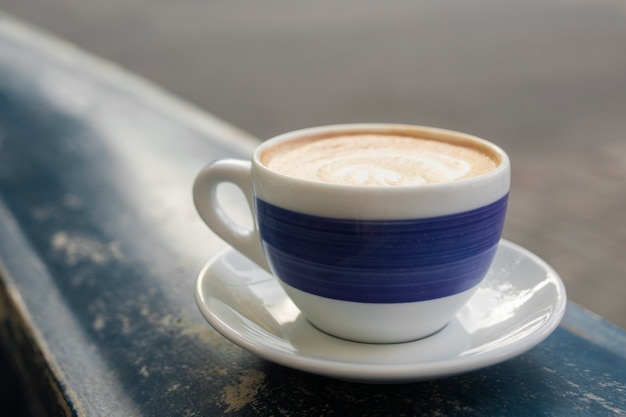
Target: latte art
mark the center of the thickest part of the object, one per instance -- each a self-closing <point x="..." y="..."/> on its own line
<point x="377" y="160"/>
<point x="392" y="168"/>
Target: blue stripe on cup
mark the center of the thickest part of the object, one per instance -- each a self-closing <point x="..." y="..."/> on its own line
<point x="381" y="261"/>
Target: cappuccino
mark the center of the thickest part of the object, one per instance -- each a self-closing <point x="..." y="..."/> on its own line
<point x="379" y="159"/>
<point x="362" y="248"/>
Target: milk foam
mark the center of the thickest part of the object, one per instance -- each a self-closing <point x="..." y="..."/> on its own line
<point x="377" y="159"/>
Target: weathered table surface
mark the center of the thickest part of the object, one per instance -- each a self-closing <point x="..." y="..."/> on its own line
<point x="100" y="247"/>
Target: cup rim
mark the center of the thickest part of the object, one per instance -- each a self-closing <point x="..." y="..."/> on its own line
<point x="432" y="132"/>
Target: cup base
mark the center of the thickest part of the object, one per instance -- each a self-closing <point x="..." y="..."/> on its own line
<point x="375" y="341"/>
<point x="378" y="323"/>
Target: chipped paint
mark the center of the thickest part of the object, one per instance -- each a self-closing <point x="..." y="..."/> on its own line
<point x="144" y="371"/>
<point x="203" y="333"/>
<point x="245" y="392"/>
<point x="174" y="387"/>
<point x="99" y="323"/>
<point x="585" y="395"/>
<point x="200" y="331"/>
<point x="604" y="404"/>
<point x="75" y="248"/>
<point x="166" y="320"/>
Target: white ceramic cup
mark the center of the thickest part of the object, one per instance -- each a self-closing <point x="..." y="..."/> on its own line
<point x="375" y="264"/>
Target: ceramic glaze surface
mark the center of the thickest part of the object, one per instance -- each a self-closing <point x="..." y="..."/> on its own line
<point x="384" y="261"/>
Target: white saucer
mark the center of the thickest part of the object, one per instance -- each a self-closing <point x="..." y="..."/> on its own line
<point x="518" y="305"/>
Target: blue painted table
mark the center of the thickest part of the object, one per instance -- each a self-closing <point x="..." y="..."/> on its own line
<point x="100" y="247"/>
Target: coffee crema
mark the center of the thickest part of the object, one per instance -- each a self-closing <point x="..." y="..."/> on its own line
<point x="378" y="159"/>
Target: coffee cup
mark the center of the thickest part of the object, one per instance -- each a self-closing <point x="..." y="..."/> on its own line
<point x="379" y="233"/>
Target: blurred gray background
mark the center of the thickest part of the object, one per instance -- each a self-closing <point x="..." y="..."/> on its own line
<point x="544" y="79"/>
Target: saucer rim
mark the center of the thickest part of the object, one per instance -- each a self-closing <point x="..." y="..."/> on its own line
<point x="383" y="372"/>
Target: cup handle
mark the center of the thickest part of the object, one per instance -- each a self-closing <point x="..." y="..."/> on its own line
<point x="237" y="172"/>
